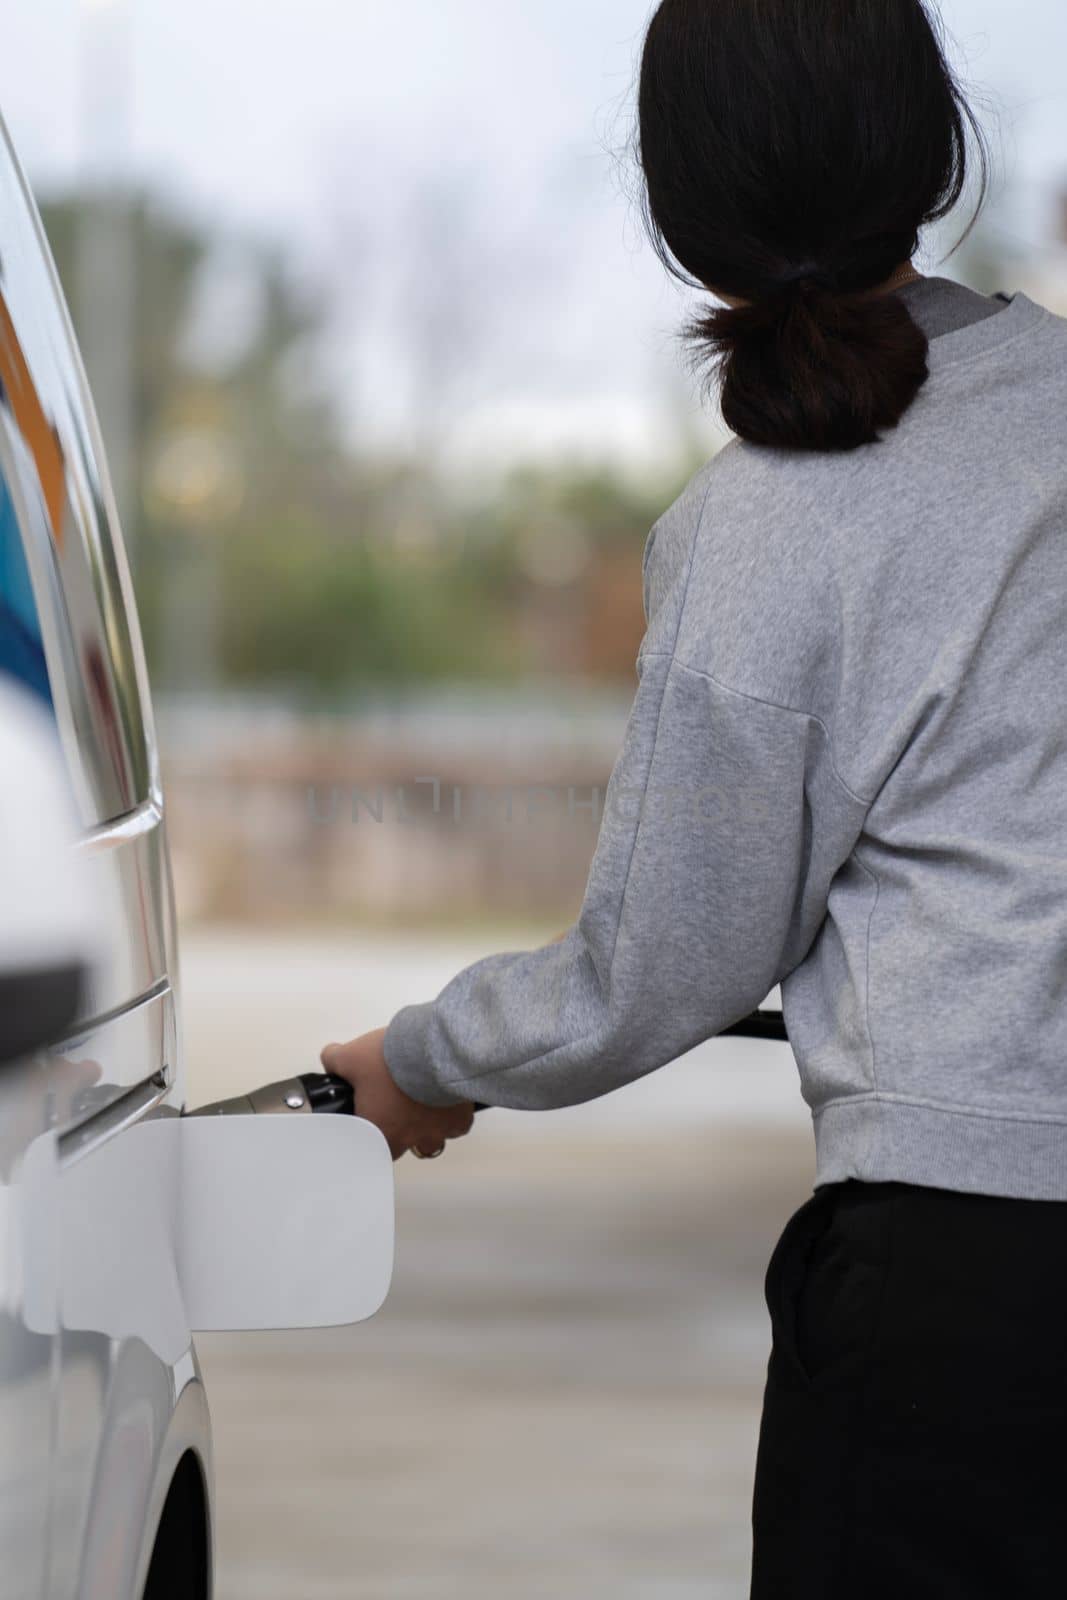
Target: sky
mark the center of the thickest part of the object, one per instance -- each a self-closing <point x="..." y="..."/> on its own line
<point x="446" y="171"/>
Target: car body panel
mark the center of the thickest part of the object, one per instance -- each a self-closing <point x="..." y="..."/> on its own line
<point x="123" y="1226"/>
<point x="91" y="1421"/>
<point x="27" y="1357"/>
<point x="152" y="1417"/>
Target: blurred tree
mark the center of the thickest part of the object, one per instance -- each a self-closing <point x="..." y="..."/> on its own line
<point x="271" y="557"/>
<point x="219" y="445"/>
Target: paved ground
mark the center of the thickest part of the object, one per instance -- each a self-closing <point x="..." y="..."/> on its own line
<point x="560" y="1397"/>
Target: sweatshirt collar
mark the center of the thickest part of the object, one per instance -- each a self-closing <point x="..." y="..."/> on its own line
<point x="1020" y="315"/>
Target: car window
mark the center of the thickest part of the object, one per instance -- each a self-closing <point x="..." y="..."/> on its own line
<point x="68" y="628"/>
<point x="22" y="654"/>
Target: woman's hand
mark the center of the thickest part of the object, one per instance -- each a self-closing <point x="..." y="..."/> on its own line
<point x="406" y="1123"/>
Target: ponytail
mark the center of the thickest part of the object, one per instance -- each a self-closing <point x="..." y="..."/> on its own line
<point x="805" y="368"/>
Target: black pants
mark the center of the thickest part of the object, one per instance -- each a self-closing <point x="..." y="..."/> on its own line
<point x="913" y="1444"/>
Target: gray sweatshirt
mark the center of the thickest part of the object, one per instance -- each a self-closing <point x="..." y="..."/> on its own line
<point x="844" y="771"/>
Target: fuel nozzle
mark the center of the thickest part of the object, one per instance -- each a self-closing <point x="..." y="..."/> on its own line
<point x="315" y="1092"/>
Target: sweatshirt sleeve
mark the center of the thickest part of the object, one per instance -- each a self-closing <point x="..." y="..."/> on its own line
<point x="724" y="822"/>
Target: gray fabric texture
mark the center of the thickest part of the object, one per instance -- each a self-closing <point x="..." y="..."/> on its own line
<point x="941" y="306"/>
<point x="845" y="772"/>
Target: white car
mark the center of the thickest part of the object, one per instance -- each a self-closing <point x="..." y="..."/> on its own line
<point x="124" y="1224"/>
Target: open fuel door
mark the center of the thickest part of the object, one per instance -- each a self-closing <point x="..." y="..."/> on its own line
<point x="175" y="1225"/>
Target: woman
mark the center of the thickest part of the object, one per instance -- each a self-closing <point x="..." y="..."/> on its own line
<point x="845" y="771"/>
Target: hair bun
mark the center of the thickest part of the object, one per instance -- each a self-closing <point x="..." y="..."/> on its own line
<point x="810" y="368"/>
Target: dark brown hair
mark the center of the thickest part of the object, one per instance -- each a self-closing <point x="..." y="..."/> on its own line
<point x="791" y="151"/>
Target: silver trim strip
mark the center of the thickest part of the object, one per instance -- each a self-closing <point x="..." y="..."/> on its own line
<point x="134" y="825"/>
<point x="89" y="1025"/>
<point x="119" y="1115"/>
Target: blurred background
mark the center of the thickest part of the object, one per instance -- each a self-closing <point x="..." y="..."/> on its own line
<point x="391" y="393"/>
